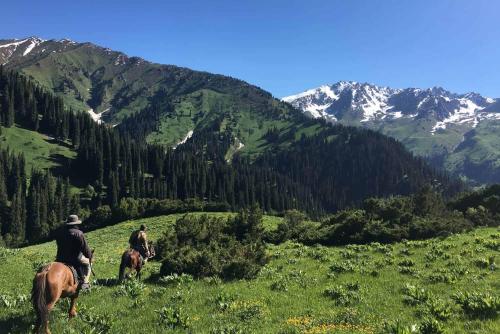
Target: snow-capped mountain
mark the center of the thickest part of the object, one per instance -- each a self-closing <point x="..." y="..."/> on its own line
<point x="459" y="132"/>
<point x="367" y="103"/>
<point x="13" y="47"/>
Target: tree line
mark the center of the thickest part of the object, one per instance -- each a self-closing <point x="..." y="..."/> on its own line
<point x="331" y="170"/>
<point x="31" y="208"/>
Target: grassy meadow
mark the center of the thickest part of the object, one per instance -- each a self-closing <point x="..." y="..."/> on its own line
<point x="303" y="289"/>
<point x="39" y="150"/>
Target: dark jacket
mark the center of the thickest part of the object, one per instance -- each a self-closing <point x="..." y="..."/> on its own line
<point x="70" y="243"/>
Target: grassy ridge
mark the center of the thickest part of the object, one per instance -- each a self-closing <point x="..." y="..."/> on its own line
<point x="39" y="150"/>
<point x="297" y="292"/>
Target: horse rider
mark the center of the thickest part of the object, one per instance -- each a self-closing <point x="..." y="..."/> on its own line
<point x="73" y="250"/>
<point x="139" y="241"/>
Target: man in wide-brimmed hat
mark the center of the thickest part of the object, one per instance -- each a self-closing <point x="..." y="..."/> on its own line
<point x="73" y="250"/>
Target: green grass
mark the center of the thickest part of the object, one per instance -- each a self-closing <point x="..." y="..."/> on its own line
<point x="39" y="151"/>
<point x="287" y="297"/>
<point x="481" y="150"/>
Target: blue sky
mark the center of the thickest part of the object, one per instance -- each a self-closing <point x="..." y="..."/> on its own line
<point x="288" y="46"/>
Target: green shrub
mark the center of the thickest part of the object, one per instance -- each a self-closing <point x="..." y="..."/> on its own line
<point x="280" y="285"/>
<point x="343" y="295"/>
<point x="396" y="327"/>
<point x="431" y="326"/>
<point x="479" y="304"/>
<point x="343" y="267"/>
<point x="406" y="263"/>
<point x="11" y="302"/>
<point x="481" y="263"/>
<point x="173" y="317"/>
<point x="414" y="295"/>
<point x="176" y="279"/>
<point x="132" y="288"/>
<point x="223" y="301"/>
<point x="204" y="246"/>
<point x="442" y="277"/>
<point x="99" y="322"/>
<point x="438" y="309"/>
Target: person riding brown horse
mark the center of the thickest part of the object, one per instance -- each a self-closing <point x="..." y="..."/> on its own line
<point x="56" y="280"/>
<point x="73" y="250"/>
<point x="139" y="241"/>
<point x="138" y="254"/>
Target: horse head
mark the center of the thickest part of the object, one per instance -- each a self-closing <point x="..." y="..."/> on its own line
<point x="151" y="249"/>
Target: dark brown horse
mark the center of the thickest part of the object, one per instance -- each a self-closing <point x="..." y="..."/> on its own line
<point x="132" y="260"/>
<point x="52" y="282"/>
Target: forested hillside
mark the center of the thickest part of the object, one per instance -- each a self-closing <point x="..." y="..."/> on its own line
<point x="318" y="172"/>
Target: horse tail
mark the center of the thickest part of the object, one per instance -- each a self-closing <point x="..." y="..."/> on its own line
<point x="39" y="294"/>
<point x="123" y="265"/>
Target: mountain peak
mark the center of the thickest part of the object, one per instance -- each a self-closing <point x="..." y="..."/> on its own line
<point x="366" y="102"/>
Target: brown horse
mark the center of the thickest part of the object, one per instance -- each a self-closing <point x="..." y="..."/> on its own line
<point x="131" y="259"/>
<point x="52" y="282"/>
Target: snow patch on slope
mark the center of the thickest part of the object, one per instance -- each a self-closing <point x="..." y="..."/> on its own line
<point x="34" y="43"/>
<point x="97" y="116"/>
<point x="185" y="139"/>
<point x="466" y="113"/>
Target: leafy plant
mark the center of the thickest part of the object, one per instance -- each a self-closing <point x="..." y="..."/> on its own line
<point x="280" y="285"/>
<point x="99" y="322"/>
<point x="397" y="327"/>
<point x="343" y="294"/>
<point x="173" y="316"/>
<point x="478" y="304"/>
<point x="176" y="279"/>
<point x="223" y="301"/>
<point x="438" y="309"/>
<point x="431" y="326"/>
<point x="132" y="288"/>
<point x="414" y="295"/>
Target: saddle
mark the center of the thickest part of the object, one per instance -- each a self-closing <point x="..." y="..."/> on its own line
<point x="142" y="255"/>
<point x="76" y="278"/>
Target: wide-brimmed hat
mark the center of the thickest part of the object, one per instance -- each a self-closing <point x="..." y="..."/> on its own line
<point x="73" y="220"/>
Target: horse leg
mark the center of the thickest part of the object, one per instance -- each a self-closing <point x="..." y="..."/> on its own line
<point x="72" y="307"/>
<point x="138" y="271"/>
<point x="54" y="293"/>
<point x="45" y="320"/>
<point x="38" y="323"/>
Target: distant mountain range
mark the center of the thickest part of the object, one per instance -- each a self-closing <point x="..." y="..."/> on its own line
<point x="460" y="132"/>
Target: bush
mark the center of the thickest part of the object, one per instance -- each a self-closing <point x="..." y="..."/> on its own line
<point x="431" y="326"/>
<point x="132" y="288"/>
<point x="396" y="327"/>
<point x="414" y="295"/>
<point x="478" y="305"/>
<point x="176" y="279"/>
<point x="437" y="309"/>
<point x="173" y="317"/>
<point x="296" y="227"/>
<point x="211" y="246"/>
<point x="344" y="295"/>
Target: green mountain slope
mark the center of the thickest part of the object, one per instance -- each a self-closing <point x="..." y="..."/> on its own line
<point x="432" y="123"/>
<point x="40" y="151"/>
<point x="478" y="154"/>
<point x="287" y="297"/>
<point x="114" y="86"/>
